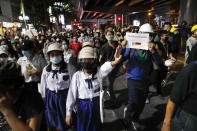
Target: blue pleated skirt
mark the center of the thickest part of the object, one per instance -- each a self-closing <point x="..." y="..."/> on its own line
<point x="56" y="109"/>
<point x="88" y="115"/>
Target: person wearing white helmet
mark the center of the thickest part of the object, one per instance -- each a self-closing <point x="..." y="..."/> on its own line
<point x="84" y="89"/>
<point x="139" y="68"/>
<point x="55" y="82"/>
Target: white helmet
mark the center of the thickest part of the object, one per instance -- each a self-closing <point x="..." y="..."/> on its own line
<point x="87" y="51"/>
<point x="54" y="47"/>
<point x="146" y="28"/>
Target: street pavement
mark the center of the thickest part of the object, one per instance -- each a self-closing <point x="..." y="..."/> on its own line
<point x="153" y="114"/>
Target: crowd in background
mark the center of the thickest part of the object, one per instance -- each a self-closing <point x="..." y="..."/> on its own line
<point x="39" y="55"/>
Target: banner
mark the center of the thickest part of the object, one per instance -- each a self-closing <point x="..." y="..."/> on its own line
<point x="137" y="40"/>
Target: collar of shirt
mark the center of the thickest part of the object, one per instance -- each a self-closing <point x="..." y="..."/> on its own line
<point x="55" y="68"/>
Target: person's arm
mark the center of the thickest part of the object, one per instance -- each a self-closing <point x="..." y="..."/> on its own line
<point x="71" y="99"/>
<point x="108" y="66"/>
<point x="100" y="58"/>
<point x="14" y="122"/>
<point x="178" y="95"/>
<point x="168" y="116"/>
<point x="43" y="84"/>
<point x="17" y="125"/>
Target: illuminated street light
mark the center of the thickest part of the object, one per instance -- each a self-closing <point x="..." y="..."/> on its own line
<point x="25" y="18"/>
<point x="149" y="14"/>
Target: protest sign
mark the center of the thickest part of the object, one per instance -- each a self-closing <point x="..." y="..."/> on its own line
<point x="137" y="40"/>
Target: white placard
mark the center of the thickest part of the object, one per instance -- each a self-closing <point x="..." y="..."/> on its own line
<point x="137" y="40"/>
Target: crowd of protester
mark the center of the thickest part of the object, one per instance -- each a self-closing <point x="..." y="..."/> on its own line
<point x="52" y="81"/>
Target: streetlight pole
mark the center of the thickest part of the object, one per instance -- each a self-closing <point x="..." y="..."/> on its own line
<point x="23" y="11"/>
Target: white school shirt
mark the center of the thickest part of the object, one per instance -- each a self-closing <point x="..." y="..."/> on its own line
<point x="57" y="83"/>
<point x="38" y="63"/>
<point x="79" y="87"/>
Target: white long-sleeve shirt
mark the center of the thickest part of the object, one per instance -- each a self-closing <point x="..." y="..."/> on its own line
<point x="79" y="87"/>
<point x="55" y="83"/>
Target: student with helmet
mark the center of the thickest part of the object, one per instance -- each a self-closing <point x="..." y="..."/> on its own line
<point x="139" y="68"/>
<point x="21" y="109"/>
<point x="55" y="83"/>
<point x="84" y="89"/>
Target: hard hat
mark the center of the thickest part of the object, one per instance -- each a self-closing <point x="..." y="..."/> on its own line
<point x="146" y="28"/>
<point x="9" y="70"/>
<point x="87" y="51"/>
<point x="173" y="29"/>
<point x="54" y="47"/>
<point x="194" y="28"/>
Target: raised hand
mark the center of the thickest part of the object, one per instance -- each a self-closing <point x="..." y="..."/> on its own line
<point x="117" y="56"/>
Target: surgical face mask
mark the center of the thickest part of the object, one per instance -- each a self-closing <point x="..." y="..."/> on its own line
<point x="56" y="59"/>
<point x="82" y="35"/>
<point x="4" y="47"/>
<point x="90" y="67"/>
<point x="65" y="47"/>
<point x="110" y="38"/>
<point x="3" y="59"/>
<point x="26" y="53"/>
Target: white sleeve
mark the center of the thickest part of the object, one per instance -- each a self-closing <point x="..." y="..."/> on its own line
<point x="72" y="95"/>
<point x="43" y="84"/>
<point x="105" y="69"/>
<point x="19" y="61"/>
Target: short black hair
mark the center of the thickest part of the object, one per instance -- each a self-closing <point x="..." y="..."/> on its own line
<point x="162" y="32"/>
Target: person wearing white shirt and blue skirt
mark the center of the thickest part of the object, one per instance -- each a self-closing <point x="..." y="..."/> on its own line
<point x="84" y="90"/>
<point x="55" y="83"/>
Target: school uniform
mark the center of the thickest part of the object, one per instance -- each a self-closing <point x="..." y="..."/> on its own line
<point x="55" y="85"/>
<point x="85" y="91"/>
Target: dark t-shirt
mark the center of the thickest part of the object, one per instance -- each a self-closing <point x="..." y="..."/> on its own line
<point x="184" y="92"/>
<point x="166" y="49"/>
<point x="108" y="52"/>
<point x="27" y="106"/>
